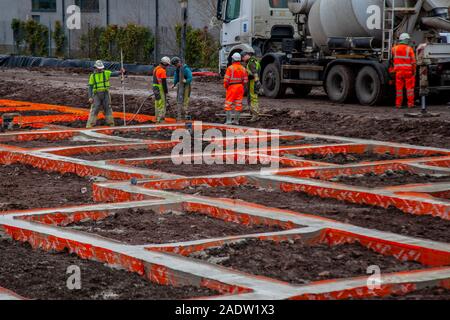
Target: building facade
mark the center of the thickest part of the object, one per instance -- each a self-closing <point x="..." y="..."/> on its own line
<point x="105" y="12"/>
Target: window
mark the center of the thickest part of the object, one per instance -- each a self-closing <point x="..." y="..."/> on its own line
<point x="279" y="4"/>
<point x="43" y="5"/>
<point x="233" y="10"/>
<point x="88" y="5"/>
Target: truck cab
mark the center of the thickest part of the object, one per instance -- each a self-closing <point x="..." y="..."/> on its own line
<point x="257" y="24"/>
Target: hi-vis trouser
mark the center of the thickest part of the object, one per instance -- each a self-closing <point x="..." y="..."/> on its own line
<point x="253" y="98"/>
<point x="405" y="79"/>
<point x="102" y="99"/>
<point x="160" y="103"/>
<point x="235" y="95"/>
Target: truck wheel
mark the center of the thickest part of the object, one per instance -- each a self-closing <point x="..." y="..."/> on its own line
<point x="369" y="89"/>
<point x="302" y="91"/>
<point x="340" y="84"/>
<point x="271" y="82"/>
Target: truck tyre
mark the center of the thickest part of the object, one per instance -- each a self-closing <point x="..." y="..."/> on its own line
<point x="340" y="84"/>
<point x="271" y="81"/>
<point x="302" y="91"/>
<point x="369" y="89"/>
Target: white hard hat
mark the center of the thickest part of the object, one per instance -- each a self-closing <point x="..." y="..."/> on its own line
<point x="99" y="65"/>
<point x="165" y="61"/>
<point x="404" y="36"/>
<point x="236" y="57"/>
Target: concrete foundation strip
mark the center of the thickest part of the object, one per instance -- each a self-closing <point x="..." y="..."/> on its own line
<point x="158" y="262"/>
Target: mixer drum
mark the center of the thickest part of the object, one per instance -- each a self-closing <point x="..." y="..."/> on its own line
<point x="343" y="18"/>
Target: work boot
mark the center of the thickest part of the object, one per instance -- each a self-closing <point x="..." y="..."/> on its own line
<point x="229" y="118"/>
<point x="110" y="121"/>
<point x="90" y="124"/>
<point x="254" y="119"/>
<point x="237" y="117"/>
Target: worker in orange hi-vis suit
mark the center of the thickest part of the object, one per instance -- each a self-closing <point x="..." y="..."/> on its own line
<point x="405" y="70"/>
<point x="235" y="80"/>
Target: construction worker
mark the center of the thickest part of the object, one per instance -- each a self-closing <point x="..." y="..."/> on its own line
<point x="404" y="63"/>
<point x="160" y="89"/>
<point x="236" y="79"/>
<point x="99" y="97"/>
<point x="187" y="81"/>
<point x="254" y="84"/>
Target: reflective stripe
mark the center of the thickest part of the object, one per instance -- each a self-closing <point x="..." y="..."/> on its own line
<point x="234" y="80"/>
<point x="402" y="57"/>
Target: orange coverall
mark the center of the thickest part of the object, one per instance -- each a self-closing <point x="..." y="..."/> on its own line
<point x="235" y="80"/>
<point x="405" y="70"/>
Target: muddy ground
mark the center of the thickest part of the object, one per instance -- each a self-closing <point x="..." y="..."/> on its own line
<point x="32" y="113"/>
<point x="315" y="114"/>
<point x="389" y="178"/>
<point x="193" y="170"/>
<point x="144" y="226"/>
<point x="35" y="274"/>
<point x="49" y="143"/>
<point x="125" y="154"/>
<point x="298" y="263"/>
<point x="391" y="219"/>
<point x="146" y="135"/>
<point x="348" y="158"/>
<point x="24" y="187"/>
<point x="100" y="123"/>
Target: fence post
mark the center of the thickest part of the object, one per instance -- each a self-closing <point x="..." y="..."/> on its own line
<point x="49" y="38"/>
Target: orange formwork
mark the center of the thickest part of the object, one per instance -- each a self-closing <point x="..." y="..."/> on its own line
<point x="167" y="264"/>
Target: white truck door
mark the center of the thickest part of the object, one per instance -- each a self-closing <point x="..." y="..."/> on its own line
<point x="236" y="22"/>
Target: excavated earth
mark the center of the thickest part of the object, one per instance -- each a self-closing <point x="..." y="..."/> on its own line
<point x="298" y="263"/>
<point x="146" y="135"/>
<point x="24" y="187"/>
<point x="144" y="226"/>
<point x="50" y="143"/>
<point x="100" y="123"/>
<point x="35" y="274"/>
<point x="192" y="170"/>
<point x="390" y="178"/>
<point x="124" y="154"/>
<point x="391" y="219"/>
<point x="348" y="158"/>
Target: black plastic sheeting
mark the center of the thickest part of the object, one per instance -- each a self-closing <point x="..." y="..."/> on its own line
<point x="28" y="62"/>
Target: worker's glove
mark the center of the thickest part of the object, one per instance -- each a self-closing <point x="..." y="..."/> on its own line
<point x="184" y="81"/>
<point x="258" y="86"/>
<point x="91" y="100"/>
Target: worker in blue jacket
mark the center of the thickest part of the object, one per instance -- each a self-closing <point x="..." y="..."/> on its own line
<point x="187" y="81"/>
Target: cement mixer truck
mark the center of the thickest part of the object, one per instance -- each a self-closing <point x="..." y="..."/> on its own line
<point x="343" y="46"/>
